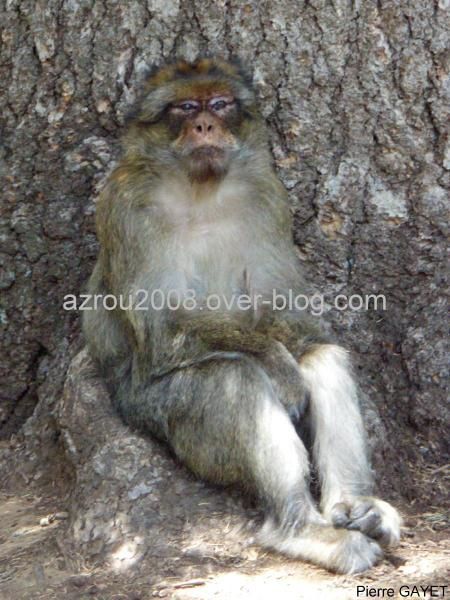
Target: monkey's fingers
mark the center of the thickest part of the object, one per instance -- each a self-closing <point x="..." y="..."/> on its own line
<point x="360" y="517"/>
<point x="371" y="516"/>
<point x="340" y="514"/>
<point x="369" y="522"/>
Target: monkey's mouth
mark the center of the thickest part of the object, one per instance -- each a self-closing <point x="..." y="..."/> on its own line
<point x="207" y="162"/>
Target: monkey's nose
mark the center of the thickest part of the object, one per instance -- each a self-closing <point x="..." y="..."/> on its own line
<point x="204" y="130"/>
<point x="204" y="127"/>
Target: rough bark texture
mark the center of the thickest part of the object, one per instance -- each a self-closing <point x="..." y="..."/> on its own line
<point x="356" y="95"/>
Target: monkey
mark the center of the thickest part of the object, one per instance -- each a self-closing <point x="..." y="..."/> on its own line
<point x="195" y="209"/>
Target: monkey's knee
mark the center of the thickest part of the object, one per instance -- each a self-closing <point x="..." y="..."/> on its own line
<point x="215" y="409"/>
<point x="332" y="392"/>
<point x="231" y="427"/>
<point x="333" y="400"/>
<point x="324" y="359"/>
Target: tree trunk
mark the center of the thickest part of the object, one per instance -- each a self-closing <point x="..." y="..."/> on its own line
<point x="356" y="96"/>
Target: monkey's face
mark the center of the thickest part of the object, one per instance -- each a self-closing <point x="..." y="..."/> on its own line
<point x="197" y="117"/>
<point x="203" y="126"/>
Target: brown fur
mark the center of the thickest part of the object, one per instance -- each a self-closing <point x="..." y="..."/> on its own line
<point x="195" y="205"/>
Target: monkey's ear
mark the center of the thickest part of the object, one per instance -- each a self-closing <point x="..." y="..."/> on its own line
<point x="158" y="92"/>
<point x="151" y="104"/>
<point x="149" y="72"/>
<point x="132" y="114"/>
<point x="242" y="70"/>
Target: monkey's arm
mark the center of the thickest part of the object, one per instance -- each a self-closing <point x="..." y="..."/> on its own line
<point x="246" y="332"/>
<point x="222" y="330"/>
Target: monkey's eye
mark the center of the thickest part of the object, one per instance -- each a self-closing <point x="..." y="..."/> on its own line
<point x="219" y="104"/>
<point x="188" y="106"/>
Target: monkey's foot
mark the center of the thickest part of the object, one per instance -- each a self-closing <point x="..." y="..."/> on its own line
<point x="338" y="550"/>
<point x="372" y="516"/>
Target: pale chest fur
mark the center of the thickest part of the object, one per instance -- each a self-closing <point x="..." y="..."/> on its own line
<point x="218" y="240"/>
<point x="208" y="242"/>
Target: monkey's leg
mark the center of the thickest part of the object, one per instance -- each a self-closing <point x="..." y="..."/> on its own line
<point x="339" y="447"/>
<point x="287" y="381"/>
<point x="225" y="422"/>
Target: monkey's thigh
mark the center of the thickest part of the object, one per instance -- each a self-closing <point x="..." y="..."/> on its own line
<point x="226" y="423"/>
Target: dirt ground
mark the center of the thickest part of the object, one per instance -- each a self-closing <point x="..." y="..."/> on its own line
<point x="35" y="566"/>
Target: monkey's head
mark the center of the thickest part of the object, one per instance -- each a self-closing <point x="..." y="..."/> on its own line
<point x="197" y="116"/>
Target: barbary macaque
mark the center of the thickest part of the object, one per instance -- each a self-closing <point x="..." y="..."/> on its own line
<point x="194" y="210"/>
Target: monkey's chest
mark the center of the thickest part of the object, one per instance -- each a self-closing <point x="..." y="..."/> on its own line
<point x="218" y="245"/>
<point x="210" y="258"/>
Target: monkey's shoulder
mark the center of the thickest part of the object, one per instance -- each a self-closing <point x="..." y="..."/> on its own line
<point x="171" y="204"/>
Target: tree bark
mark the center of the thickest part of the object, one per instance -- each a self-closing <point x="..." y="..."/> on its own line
<point x="356" y="96"/>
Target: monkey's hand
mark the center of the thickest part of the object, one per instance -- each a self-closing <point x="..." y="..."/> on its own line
<point x="372" y="516"/>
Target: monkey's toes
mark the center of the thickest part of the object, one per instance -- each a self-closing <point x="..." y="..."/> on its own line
<point x="339" y="550"/>
<point x="357" y="554"/>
